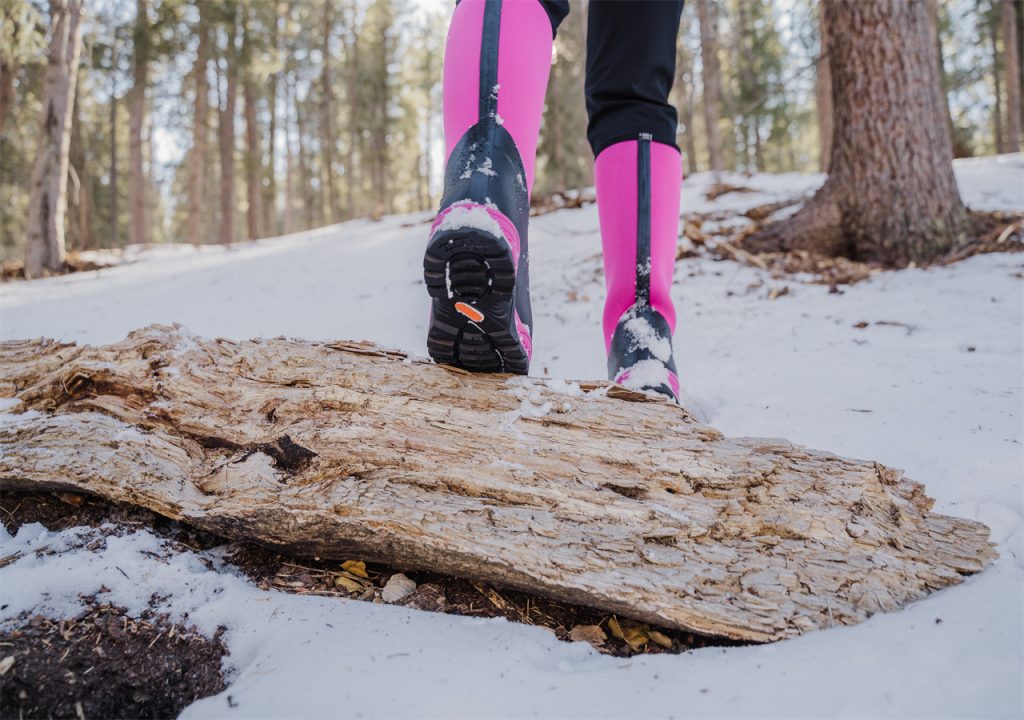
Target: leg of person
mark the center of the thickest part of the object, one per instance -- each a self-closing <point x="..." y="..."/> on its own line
<point x="496" y="66"/>
<point x="631" y="51"/>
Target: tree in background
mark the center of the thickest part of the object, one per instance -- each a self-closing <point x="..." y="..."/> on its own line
<point x="891" y="196"/>
<point x="1012" y="75"/>
<point x="44" y="245"/>
<point x="711" y="76"/>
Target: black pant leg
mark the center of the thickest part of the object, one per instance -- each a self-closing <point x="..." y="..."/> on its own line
<point x="631" y="64"/>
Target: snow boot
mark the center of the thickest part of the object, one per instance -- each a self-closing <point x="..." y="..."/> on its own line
<point x="496" y="66"/>
<point x="638" y="184"/>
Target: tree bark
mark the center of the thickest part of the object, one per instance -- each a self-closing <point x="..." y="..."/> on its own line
<point x="891" y="196"/>
<point x="138" y="225"/>
<point x="346" y="450"/>
<point x="44" y="244"/>
<point x="1012" y="75"/>
<point x="195" y="226"/>
<point x="712" y="82"/>
<point x="823" y="93"/>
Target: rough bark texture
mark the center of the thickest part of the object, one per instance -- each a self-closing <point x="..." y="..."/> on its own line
<point x="346" y="450"/>
<point x="712" y="82"/>
<point x="891" y="196"/>
<point x="1011" y="71"/>
<point x="44" y="243"/>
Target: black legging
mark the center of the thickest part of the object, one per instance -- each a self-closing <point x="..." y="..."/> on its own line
<point x="631" y="63"/>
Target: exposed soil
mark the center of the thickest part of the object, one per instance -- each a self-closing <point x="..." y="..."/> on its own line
<point x="105" y="664"/>
<point x="360" y="580"/>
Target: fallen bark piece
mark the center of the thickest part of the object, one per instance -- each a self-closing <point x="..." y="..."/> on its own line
<point x="588" y="493"/>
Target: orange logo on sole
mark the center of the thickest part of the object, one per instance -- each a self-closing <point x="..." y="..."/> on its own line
<point x="469" y="311"/>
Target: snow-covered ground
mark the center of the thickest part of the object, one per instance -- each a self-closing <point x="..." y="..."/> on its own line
<point x="932" y="384"/>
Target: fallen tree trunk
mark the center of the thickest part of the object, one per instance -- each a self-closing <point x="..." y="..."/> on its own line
<point x="588" y="494"/>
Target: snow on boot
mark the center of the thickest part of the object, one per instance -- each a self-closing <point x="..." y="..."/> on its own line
<point x="496" y="64"/>
<point x="638" y="184"/>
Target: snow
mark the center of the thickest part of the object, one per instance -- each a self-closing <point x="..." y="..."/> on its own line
<point x="468" y="215"/>
<point x="932" y="384"/>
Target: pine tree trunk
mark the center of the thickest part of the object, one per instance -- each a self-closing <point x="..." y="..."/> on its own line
<point x="195" y="227"/>
<point x="289" y="156"/>
<point x="1012" y="74"/>
<point x="823" y="93"/>
<point x="81" y="235"/>
<point x="8" y="71"/>
<point x="138" y="228"/>
<point x="684" y="94"/>
<point x="936" y="40"/>
<point x="891" y="196"/>
<point x="115" y="186"/>
<point x="269" y="221"/>
<point x="997" y="81"/>
<point x="327" y="138"/>
<point x="44" y="243"/>
<point x="712" y="81"/>
<point x="253" y="155"/>
<point x="226" y="132"/>
<point x="305" y="174"/>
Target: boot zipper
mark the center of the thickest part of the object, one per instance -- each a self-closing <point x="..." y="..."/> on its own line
<point x="643" y="220"/>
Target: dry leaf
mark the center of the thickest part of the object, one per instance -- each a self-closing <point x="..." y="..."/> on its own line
<point x="6" y="664"/>
<point x="633" y="635"/>
<point x="343" y="581"/>
<point x="592" y="634"/>
<point x="664" y="640"/>
<point x="356" y="567"/>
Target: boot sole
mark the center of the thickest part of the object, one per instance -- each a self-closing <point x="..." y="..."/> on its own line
<point x="471" y="276"/>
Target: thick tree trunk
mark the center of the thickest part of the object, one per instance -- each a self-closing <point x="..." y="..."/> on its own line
<point x="195" y="225"/>
<point x="823" y="93"/>
<point x="712" y="82"/>
<point x="346" y="450"/>
<point x="1011" y="72"/>
<point x="891" y="196"/>
<point x="138" y="227"/>
<point x="44" y="243"/>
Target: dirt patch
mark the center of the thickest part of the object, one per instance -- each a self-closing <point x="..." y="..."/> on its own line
<point x="59" y="511"/>
<point x="990" y="232"/>
<point x="105" y="664"/>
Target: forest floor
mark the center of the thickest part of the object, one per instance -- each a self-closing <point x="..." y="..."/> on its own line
<point x="919" y="369"/>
